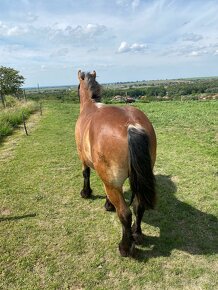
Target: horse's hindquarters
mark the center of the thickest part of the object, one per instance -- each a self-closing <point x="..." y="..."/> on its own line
<point x="110" y="158"/>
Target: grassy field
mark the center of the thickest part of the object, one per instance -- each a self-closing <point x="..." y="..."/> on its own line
<point x="51" y="238"/>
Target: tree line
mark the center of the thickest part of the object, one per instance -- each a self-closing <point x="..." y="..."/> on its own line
<point x="172" y="91"/>
<point x="11" y="82"/>
<point x="154" y="92"/>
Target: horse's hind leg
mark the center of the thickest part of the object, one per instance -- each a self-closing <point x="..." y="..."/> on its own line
<point x="108" y="205"/>
<point x="115" y="195"/>
<point x="139" y="210"/>
<point x="86" y="191"/>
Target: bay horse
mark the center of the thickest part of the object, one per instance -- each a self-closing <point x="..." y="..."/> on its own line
<point x="119" y="143"/>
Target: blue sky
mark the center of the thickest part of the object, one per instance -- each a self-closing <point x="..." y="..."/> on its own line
<point x="123" y="40"/>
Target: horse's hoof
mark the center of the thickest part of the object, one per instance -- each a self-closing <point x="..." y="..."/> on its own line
<point x="86" y="193"/>
<point x="127" y="252"/>
<point x="109" y="206"/>
<point x="138" y="238"/>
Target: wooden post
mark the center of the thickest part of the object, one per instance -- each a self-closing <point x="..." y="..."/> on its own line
<point x="3" y="100"/>
<point x="40" y="107"/>
<point x="24" y="93"/>
<point x="24" y="124"/>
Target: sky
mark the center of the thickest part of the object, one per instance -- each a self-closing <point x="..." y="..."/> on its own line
<point x="48" y="41"/>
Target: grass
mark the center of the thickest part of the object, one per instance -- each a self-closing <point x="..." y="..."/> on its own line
<point x="12" y="117"/>
<point x="51" y="238"/>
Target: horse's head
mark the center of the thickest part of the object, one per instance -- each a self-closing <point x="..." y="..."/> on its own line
<point x="88" y="86"/>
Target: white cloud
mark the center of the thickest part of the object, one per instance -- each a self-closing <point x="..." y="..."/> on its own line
<point x="44" y="36"/>
<point x="124" y="47"/>
<point x="194" y="53"/>
<point x="91" y="30"/>
<point x="135" y="47"/>
<point x="138" y="47"/>
<point x="76" y="35"/>
<point x="187" y="50"/>
<point x="6" y="30"/>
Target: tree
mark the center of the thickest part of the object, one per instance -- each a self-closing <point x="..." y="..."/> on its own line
<point x="10" y="82"/>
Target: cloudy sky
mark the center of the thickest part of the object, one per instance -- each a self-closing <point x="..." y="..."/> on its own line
<point x="123" y="40"/>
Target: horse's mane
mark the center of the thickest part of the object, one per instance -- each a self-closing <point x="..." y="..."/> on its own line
<point x="93" y="86"/>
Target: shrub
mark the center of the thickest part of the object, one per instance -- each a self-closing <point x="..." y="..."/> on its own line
<point x="5" y="129"/>
<point x="11" y="101"/>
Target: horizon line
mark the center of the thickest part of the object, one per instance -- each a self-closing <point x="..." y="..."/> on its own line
<point x="120" y="82"/>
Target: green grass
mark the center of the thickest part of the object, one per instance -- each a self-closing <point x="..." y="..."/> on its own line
<point x="51" y="238"/>
<point x="13" y="116"/>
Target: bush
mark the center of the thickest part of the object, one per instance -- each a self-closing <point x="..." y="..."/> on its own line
<point x="10" y="101"/>
<point x="5" y="129"/>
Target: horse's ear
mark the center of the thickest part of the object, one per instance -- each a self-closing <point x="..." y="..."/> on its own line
<point x="94" y="73"/>
<point x="80" y="75"/>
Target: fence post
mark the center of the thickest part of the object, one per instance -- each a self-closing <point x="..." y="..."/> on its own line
<point x="24" y="93"/>
<point x="40" y="108"/>
<point x="3" y="100"/>
<point x="24" y="124"/>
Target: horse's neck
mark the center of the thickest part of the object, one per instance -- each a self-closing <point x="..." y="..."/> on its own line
<point x="87" y="104"/>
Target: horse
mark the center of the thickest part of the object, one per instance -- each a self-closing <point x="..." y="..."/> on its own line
<point x="119" y="142"/>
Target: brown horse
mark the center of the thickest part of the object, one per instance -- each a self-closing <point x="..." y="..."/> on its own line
<point x="118" y="142"/>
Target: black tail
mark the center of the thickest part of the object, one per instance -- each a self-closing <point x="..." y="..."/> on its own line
<point x="141" y="177"/>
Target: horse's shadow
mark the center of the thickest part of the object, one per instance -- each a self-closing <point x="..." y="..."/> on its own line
<point x="16" y="218"/>
<point x="181" y="226"/>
